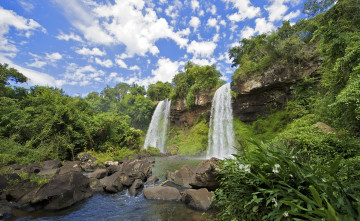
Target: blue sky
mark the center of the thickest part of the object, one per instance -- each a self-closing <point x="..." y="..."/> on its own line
<point x="84" y="45"/>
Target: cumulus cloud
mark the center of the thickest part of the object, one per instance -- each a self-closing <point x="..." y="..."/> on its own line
<point x="201" y="49"/>
<point x="195" y="5"/>
<point x="291" y="15"/>
<point x="91" y="52"/>
<point x="120" y="62"/>
<point x="27" y="6"/>
<point x="11" y="19"/>
<point x="212" y="9"/>
<point x="68" y="37"/>
<point x="247" y="32"/>
<point x="82" y="76"/>
<point x="194" y="22"/>
<point x="105" y="63"/>
<point x="245" y="10"/>
<point x="261" y="26"/>
<point x="166" y="70"/>
<point x="277" y="10"/>
<point x="41" y="61"/>
<point x="212" y="22"/>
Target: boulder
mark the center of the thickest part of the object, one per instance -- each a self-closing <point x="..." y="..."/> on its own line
<point x="135" y="169"/>
<point x="88" y="166"/>
<point x="136" y="187"/>
<point x="152" y="180"/>
<point x="51" y="164"/>
<point x="63" y="190"/>
<point x="98" y="173"/>
<point x="85" y="157"/>
<point x="181" y="177"/>
<point x="205" y="175"/>
<point x="32" y="168"/>
<point x="162" y="193"/>
<point x="3" y="182"/>
<point x="111" y="163"/>
<point x="151" y="160"/>
<point x="197" y="199"/>
<point x="70" y="167"/>
<point x="15" y="192"/>
<point x="113" y="169"/>
<point x="48" y="172"/>
<point x="5" y="210"/>
<point x="96" y="185"/>
<point x="113" y="183"/>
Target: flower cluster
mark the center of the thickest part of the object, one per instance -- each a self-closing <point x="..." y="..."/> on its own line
<point x="276" y="168"/>
<point x="245" y="167"/>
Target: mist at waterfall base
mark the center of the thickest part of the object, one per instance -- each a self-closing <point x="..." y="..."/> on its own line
<point x="221" y="141"/>
<point x="156" y="134"/>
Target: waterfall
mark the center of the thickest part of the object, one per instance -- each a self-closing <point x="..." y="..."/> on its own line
<point x="156" y="134"/>
<point x="221" y="134"/>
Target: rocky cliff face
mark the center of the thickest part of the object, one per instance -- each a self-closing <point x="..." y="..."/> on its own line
<point x="256" y="96"/>
<point x="181" y="116"/>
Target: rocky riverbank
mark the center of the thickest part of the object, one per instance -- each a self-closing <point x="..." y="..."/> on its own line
<point x="58" y="185"/>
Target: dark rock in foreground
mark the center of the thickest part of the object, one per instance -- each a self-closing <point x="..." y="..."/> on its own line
<point x="181" y="177"/>
<point x="3" y="182"/>
<point x="205" y="175"/>
<point x="113" y="183"/>
<point x="5" y="210"/>
<point x="197" y="199"/>
<point x="162" y="193"/>
<point x="152" y="180"/>
<point x="98" y="173"/>
<point x="136" y="187"/>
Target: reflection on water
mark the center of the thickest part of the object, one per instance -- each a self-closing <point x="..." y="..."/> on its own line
<point x="121" y="206"/>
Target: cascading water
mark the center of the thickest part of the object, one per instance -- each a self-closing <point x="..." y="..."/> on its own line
<point x="156" y="134"/>
<point x="221" y="134"/>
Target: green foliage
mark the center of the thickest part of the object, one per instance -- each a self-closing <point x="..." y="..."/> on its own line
<point x="159" y="91"/>
<point x="195" y="78"/>
<point x="153" y="151"/>
<point x="7" y="75"/>
<point x="273" y="184"/>
<point x="192" y="141"/>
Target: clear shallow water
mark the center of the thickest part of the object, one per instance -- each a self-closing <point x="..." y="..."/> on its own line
<point x="121" y="206"/>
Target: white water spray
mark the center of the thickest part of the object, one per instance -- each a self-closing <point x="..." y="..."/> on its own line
<point x="156" y="134"/>
<point x="221" y="134"/>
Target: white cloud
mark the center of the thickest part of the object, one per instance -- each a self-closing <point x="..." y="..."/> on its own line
<point x="194" y="22"/>
<point x="203" y="61"/>
<point x="212" y="9"/>
<point x="262" y="26"/>
<point x="82" y="76"/>
<point x="245" y="10"/>
<point x="216" y="37"/>
<point x="277" y="10"/>
<point x="212" y="22"/>
<point x="291" y="15"/>
<point x="166" y="70"/>
<point x="195" y="5"/>
<point x="68" y="37"/>
<point x="106" y="63"/>
<point x="120" y="62"/>
<point x="35" y="77"/>
<point x="41" y="61"/>
<point x="89" y="52"/>
<point x="27" y="6"/>
<point x="202" y="49"/>
<point x="134" y="68"/>
<point x="247" y="32"/>
<point x="9" y="19"/>
<point x="223" y="22"/>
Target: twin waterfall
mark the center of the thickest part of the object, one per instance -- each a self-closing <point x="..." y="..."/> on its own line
<point x="156" y="134"/>
<point x="221" y="139"/>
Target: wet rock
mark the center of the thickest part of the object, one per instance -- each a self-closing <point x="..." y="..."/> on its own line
<point x="96" y="185"/>
<point x="88" y="166"/>
<point x="3" y="182"/>
<point x="151" y="160"/>
<point x="205" y="175"/>
<point x="15" y="192"/>
<point x="5" y="210"/>
<point x="113" y="169"/>
<point x="162" y="193"/>
<point x="181" y="177"/>
<point x="113" y="183"/>
<point x="197" y="199"/>
<point x="51" y="164"/>
<point x="136" y="187"/>
<point x="70" y="166"/>
<point x="152" y="180"/>
<point x="135" y="169"/>
<point x="63" y="190"/>
<point x="98" y="173"/>
<point x="49" y="172"/>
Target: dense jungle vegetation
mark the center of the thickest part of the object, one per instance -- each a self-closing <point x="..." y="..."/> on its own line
<point x="295" y="168"/>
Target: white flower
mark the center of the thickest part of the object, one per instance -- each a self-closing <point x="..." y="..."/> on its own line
<point x="324" y="180"/>
<point x="275" y="202"/>
<point x="291" y="176"/>
<point x="246" y="167"/>
<point x="286" y="214"/>
<point x="276" y="168"/>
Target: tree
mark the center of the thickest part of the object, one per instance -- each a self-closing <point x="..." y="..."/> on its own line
<point x="9" y="74"/>
<point x="159" y="91"/>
